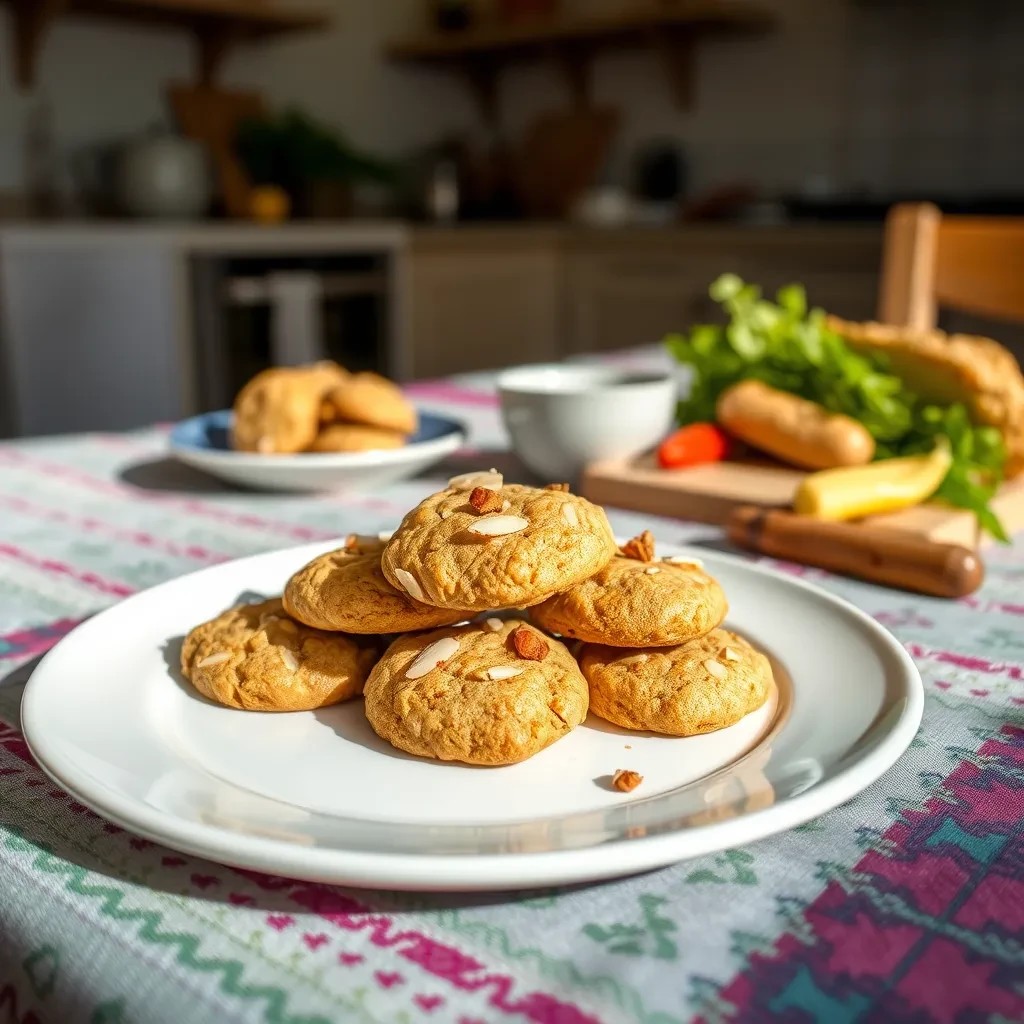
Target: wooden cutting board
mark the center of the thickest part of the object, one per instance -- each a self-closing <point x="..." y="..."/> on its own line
<point x="707" y="494"/>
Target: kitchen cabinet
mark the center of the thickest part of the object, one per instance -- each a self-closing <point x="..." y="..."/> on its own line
<point x="634" y="287"/>
<point x="483" y="298"/>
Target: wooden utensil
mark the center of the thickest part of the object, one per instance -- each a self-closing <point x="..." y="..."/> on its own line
<point x="889" y="557"/>
<point x="709" y="493"/>
<point x="212" y="116"/>
<point x="562" y="156"/>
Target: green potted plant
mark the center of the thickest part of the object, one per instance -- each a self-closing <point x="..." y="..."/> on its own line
<point x="317" y="167"/>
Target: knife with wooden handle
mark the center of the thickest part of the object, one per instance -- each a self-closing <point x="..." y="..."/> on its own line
<point x="889" y="557"/>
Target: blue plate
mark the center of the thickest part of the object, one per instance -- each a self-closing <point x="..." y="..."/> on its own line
<point x="212" y="431"/>
<point x="204" y="442"/>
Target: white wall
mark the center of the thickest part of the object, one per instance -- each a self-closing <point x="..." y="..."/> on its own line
<point x="921" y="94"/>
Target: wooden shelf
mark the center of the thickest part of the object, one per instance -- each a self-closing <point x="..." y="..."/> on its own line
<point x="669" y="27"/>
<point x="216" y="25"/>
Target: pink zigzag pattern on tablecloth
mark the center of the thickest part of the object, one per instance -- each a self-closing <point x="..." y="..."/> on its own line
<point x="924" y="927"/>
<point x="28" y="643"/>
<point x="967" y="661"/>
<point x="442" y="961"/>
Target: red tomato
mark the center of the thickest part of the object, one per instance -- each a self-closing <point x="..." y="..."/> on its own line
<point x="692" y="445"/>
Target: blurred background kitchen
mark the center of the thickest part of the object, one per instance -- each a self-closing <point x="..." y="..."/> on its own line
<point x="193" y="189"/>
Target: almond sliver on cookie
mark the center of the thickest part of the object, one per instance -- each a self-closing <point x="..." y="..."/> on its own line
<point x="503" y="672"/>
<point x="570" y="515"/>
<point x="437" y="653"/>
<point x="410" y="584"/>
<point x="498" y="526"/>
<point x="214" y="659"/>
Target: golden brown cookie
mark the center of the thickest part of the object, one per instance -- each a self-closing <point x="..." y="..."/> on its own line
<point x="706" y="684"/>
<point x="512" y="548"/>
<point x="256" y="658"/>
<point x="346" y="590"/>
<point x="354" y="437"/>
<point x="278" y="411"/>
<point x="372" y="400"/>
<point x="484" y="694"/>
<point x="632" y="603"/>
<point x="946" y="368"/>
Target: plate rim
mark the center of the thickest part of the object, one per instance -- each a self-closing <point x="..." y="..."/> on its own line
<point x="455" y="435"/>
<point x="491" y="871"/>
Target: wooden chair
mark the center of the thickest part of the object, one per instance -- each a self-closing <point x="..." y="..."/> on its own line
<point x="971" y="264"/>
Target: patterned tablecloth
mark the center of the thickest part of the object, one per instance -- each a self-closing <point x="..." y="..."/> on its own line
<point x="906" y="903"/>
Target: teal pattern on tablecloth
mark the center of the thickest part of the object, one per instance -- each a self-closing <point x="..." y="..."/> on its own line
<point x="906" y="903"/>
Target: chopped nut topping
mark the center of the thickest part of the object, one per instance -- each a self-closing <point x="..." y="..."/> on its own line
<point x="529" y="644"/>
<point x="290" y="661"/>
<point x="557" y="487"/>
<point x="570" y="515"/>
<point x="652" y="571"/>
<point x="626" y="781"/>
<point x="716" y="668"/>
<point x="494" y="624"/>
<point x="641" y="548"/>
<point x="730" y="655"/>
<point x="483" y="499"/>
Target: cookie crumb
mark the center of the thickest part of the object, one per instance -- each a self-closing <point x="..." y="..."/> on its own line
<point x="557" y="487"/>
<point x="628" y="746"/>
<point x="483" y="499"/>
<point x="626" y="781"/>
<point x="641" y="547"/>
<point x="529" y="645"/>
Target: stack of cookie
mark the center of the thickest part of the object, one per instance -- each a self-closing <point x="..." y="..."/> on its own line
<point x="320" y="408"/>
<point x="466" y="680"/>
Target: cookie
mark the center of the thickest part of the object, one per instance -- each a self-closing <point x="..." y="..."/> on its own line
<point x="278" y="411"/>
<point x="490" y="693"/>
<point x="372" y="400"/>
<point x="515" y="547"/>
<point x="634" y="603"/>
<point x="256" y="658"/>
<point x="353" y="437"/>
<point x="706" y="684"/>
<point x="346" y="590"/>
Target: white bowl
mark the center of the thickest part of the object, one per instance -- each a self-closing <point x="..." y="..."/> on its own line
<point x="561" y="418"/>
<point x="203" y="442"/>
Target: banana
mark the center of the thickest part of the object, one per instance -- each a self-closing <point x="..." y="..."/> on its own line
<point x="884" y="486"/>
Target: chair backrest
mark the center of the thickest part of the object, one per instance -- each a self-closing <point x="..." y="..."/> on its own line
<point x="972" y="264"/>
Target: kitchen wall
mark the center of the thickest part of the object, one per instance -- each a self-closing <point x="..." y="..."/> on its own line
<point x="924" y="94"/>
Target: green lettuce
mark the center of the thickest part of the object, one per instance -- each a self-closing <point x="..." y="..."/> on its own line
<point x="788" y="346"/>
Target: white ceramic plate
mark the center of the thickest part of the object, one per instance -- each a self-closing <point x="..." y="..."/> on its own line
<point x="202" y="442"/>
<point x="317" y="795"/>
